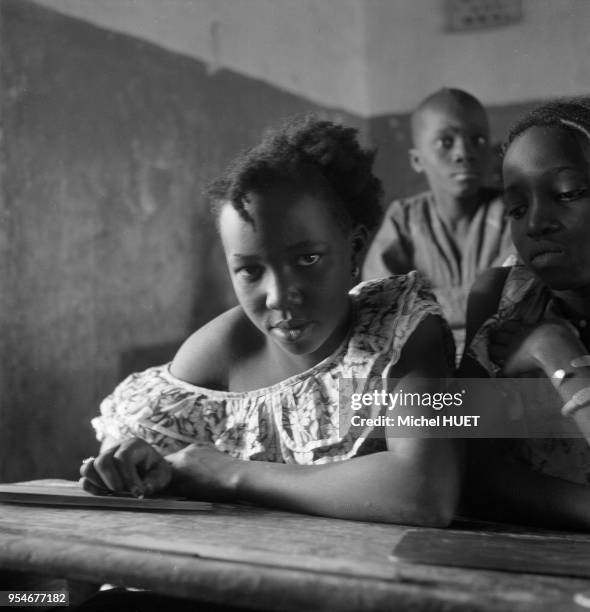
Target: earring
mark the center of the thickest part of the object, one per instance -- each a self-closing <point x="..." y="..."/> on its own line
<point x="355" y="271"/>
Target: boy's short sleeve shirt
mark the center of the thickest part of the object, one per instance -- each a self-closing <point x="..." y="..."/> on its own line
<point x="413" y="236"/>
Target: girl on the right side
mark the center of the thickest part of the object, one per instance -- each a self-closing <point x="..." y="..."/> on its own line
<point x="533" y="320"/>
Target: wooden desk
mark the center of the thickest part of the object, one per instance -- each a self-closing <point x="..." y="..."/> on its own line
<point x="263" y="559"/>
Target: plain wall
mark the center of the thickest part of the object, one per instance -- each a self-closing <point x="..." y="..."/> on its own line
<point x="312" y="48"/>
<point x="410" y="54"/>
<point x="370" y="57"/>
<point x="375" y="58"/>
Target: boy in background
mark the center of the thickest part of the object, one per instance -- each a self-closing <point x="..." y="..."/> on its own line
<point x="457" y="229"/>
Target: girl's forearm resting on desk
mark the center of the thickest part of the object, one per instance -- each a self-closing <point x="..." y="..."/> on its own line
<point x="416" y="485"/>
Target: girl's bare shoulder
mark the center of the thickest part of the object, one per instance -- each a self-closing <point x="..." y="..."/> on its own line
<point x="207" y="357"/>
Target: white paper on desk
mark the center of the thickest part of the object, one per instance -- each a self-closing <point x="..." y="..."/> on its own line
<point x="70" y="493"/>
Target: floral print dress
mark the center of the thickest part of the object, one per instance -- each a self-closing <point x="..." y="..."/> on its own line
<point x="298" y="420"/>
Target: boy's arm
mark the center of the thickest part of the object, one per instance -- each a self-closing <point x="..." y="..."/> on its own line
<point x="391" y="251"/>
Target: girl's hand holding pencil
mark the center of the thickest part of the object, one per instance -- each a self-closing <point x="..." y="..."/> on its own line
<point x="133" y="467"/>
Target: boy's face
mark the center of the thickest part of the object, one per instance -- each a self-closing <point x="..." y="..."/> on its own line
<point x="451" y="146"/>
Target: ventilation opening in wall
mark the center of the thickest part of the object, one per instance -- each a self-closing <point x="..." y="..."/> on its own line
<point x="465" y="15"/>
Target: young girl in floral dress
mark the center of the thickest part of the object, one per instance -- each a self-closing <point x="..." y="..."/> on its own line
<point x="251" y="408"/>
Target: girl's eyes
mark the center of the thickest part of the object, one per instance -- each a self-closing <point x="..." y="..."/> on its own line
<point x="515" y="204"/>
<point x="571" y="195"/>
<point x="308" y="260"/>
<point x="516" y="212"/>
<point x="253" y="273"/>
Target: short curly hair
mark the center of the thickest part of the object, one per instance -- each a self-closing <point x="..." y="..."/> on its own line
<point x="308" y="156"/>
<point x="568" y="113"/>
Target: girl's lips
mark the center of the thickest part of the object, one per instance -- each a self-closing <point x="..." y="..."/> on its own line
<point x="289" y="332"/>
<point x="546" y="257"/>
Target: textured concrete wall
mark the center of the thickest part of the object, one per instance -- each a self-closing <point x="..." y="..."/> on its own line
<point x="107" y="249"/>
